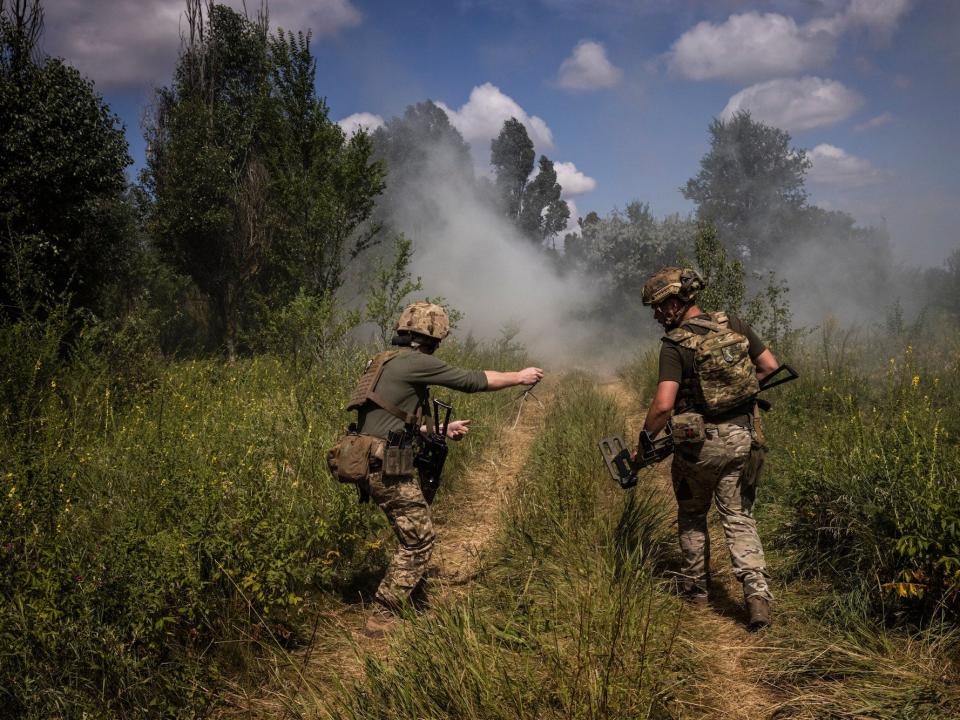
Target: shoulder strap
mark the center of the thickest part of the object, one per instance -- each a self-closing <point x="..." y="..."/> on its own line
<point x="701" y="321"/>
<point x="366" y="389"/>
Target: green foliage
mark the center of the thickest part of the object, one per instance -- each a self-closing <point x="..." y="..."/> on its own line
<point x="64" y="219"/>
<point x="160" y="520"/>
<point x="623" y="249"/>
<point x="868" y="480"/>
<point x="534" y="205"/>
<point x="391" y="285"/>
<point x="750" y="185"/>
<point x="767" y="310"/>
<point x="311" y="331"/>
<point x="512" y="156"/>
<point x="241" y="135"/>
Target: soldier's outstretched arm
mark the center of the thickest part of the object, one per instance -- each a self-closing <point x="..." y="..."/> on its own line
<point x="766" y="363"/>
<point x="497" y="380"/>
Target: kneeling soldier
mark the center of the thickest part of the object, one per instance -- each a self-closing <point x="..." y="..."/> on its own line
<point x="710" y="368"/>
<point x="391" y="399"/>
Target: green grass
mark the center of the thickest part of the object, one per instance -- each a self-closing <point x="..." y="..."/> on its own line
<point x="566" y="621"/>
<point x="162" y="521"/>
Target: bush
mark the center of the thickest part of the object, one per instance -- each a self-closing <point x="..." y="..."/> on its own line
<point x="865" y="466"/>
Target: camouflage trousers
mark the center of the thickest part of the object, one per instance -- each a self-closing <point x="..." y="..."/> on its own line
<point x="721" y="467"/>
<point x="400" y="498"/>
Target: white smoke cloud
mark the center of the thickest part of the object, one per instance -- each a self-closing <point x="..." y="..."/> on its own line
<point x="836" y="167"/>
<point x="365" y="120"/>
<point x="754" y="46"/>
<point x="131" y="44"/>
<point x="572" y="180"/>
<point x="481" y="118"/>
<point x="469" y="253"/>
<point x="588" y="68"/>
<point x="796" y="104"/>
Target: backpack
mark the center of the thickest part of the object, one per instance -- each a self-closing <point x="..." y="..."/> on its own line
<point x="724" y="374"/>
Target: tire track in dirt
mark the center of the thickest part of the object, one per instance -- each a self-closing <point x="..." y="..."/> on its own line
<point x="715" y="637"/>
<point x="466" y="522"/>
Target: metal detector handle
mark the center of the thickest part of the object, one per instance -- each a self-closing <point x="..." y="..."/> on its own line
<point x="441" y="430"/>
<point x="768" y="382"/>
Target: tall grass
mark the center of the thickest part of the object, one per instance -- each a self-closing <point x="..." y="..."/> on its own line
<point x="159" y="519"/>
<point x="865" y="474"/>
<point x="566" y="622"/>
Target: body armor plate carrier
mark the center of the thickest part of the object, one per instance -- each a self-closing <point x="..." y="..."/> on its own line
<point x="366" y="389"/>
<point x="724" y="376"/>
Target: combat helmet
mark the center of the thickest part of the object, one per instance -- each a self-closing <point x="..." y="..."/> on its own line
<point x="424" y="318"/>
<point x="685" y="283"/>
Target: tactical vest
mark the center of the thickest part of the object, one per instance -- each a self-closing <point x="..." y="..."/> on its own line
<point x="724" y="376"/>
<point x="366" y="389"/>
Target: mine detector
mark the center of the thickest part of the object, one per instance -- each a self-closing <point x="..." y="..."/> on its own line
<point x="651" y="450"/>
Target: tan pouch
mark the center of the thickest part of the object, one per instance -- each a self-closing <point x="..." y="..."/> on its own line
<point x="349" y="459"/>
<point x="688" y="428"/>
<point x="398" y="461"/>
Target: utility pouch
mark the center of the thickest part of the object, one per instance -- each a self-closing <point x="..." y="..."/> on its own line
<point x="398" y="461"/>
<point x="759" y="439"/>
<point x="758" y="452"/>
<point x="688" y="427"/>
<point x="349" y="459"/>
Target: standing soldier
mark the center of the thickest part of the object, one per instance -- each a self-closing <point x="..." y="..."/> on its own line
<point x="391" y="400"/>
<point x="710" y="368"/>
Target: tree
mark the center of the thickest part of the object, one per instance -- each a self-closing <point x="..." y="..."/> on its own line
<point x="534" y="205"/>
<point x="324" y="185"/>
<point x="750" y="186"/>
<point x="206" y="160"/>
<point x="254" y="188"/>
<point x="392" y="283"/>
<point x="64" y="220"/>
<point x="512" y="156"/>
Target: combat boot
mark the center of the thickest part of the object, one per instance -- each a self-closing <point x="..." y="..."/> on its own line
<point x="379" y="621"/>
<point x="759" y="609"/>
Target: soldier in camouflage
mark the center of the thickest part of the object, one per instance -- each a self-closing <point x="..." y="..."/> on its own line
<point x="393" y="394"/>
<point x="711" y="365"/>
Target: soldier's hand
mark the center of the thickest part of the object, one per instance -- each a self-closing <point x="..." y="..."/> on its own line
<point x="530" y="376"/>
<point x="457" y="429"/>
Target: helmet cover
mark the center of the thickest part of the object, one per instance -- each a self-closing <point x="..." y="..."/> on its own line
<point x="426" y="319"/>
<point x="685" y="283"/>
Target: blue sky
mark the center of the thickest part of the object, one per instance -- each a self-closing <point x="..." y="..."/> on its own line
<point x="619" y="92"/>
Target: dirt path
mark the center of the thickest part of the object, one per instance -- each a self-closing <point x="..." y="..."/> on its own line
<point x="466" y="521"/>
<point x="716" y="636"/>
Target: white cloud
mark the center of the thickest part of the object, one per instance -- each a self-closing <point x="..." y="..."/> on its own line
<point x="796" y="104"/>
<point x="572" y="180"/>
<point x="755" y="46"/>
<point x="129" y="44"/>
<point x="588" y="68"/>
<point x="365" y="120"/>
<point x="748" y="46"/>
<point x="881" y="16"/>
<point x="884" y="118"/>
<point x="836" y="167"/>
<point x="481" y="118"/>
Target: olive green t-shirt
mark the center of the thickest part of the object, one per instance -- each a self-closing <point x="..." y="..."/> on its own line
<point x="405" y="382"/>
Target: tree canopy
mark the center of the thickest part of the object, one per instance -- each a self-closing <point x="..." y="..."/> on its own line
<point x="750" y="185"/>
<point x="62" y="159"/>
